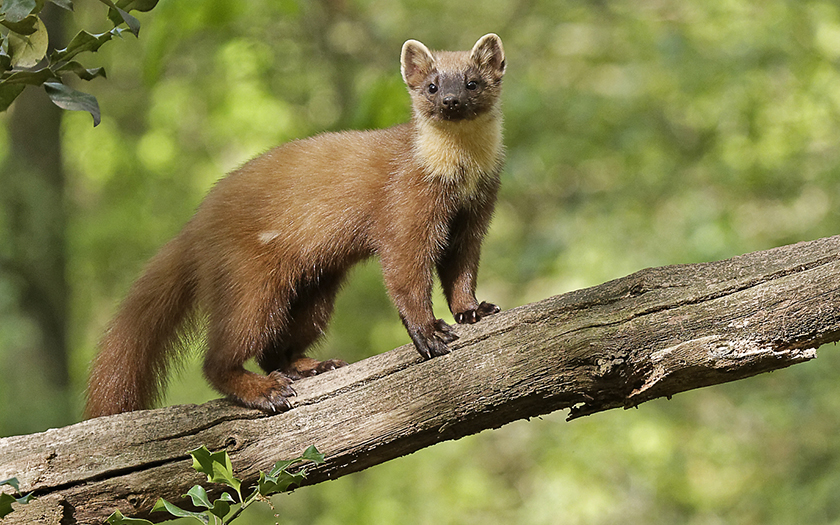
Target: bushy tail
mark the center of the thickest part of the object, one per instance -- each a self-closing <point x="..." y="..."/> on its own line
<point x="130" y="371"/>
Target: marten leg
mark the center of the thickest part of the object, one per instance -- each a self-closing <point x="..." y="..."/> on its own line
<point x="409" y="282"/>
<point x="309" y="314"/>
<point x="458" y="264"/>
<point x="244" y="320"/>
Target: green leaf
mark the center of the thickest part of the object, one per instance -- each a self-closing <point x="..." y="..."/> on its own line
<point x="83" y="41"/>
<point x="118" y="519"/>
<point x="204" y="461"/>
<point x="66" y="97"/>
<point x="281" y="482"/>
<point x="28" y="50"/>
<point x="219" y="508"/>
<point x="81" y="71"/>
<point x="7" y="499"/>
<point x="216" y="466"/>
<point x="313" y="455"/>
<point x="118" y="16"/>
<point x="32" y="78"/>
<point x="27" y="26"/>
<point x="17" y="10"/>
<point x="5" y="62"/>
<point x="281" y="466"/>
<point x="163" y="505"/>
<point x="279" y="479"/>
<point x="8" y="94"/>
<point x="199" y="497"/>
<point x="13" y="482"/>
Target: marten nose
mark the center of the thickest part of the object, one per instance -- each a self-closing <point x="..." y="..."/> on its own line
<point x="451" y="102"/>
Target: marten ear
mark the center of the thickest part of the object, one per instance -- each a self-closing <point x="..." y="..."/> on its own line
<point x="488" y="52"/>
<point x="416" y="62"/>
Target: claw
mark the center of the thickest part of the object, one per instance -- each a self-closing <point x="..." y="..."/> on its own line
<point x="474" y="315"/>
<point x="433" y="345"/>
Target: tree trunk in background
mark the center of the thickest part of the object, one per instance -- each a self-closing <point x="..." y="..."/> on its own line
<point x="32" y="201"/>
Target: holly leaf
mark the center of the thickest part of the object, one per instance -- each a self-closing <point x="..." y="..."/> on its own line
<point x="66" y="97"/>
<point x="7" y="499"/>
<point x="219" y="508"/>
<point x="12" y="482"/>
<point x="28" y="50"/>
<point x="203" y="517"/>
<point x="81" y="71"/>
<point x="279" y="479"/>
<point x="118" y="16"/>
<point x="217" y="467"/>
<point x="313" y="455"/>
<point x="280" y="482"/>
<point x="33" y="78"/>
<point x="83" y="41"/>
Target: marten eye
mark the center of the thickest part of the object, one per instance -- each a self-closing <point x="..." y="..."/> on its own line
<point x="472" y="85"/>
<point x="433" y="88"/>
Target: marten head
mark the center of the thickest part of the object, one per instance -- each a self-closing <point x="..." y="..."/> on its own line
<point x="453" y="85"/>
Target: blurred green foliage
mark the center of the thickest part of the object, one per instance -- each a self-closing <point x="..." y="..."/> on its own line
<point x="638" y="134"/>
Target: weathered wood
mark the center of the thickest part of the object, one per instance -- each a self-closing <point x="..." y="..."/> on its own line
<point x="654" y="333"/>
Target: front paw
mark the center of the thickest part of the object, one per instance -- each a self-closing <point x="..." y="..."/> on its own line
<point x="434" y="343"/>
<point x="473" y="316"/>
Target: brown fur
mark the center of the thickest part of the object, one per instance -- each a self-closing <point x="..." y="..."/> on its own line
<point x="266" y="252"/>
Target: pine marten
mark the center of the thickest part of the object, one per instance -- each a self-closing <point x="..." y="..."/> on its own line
<point x="266" y="252"/>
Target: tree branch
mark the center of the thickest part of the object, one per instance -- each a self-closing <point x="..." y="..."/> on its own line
<point x="652" y="334"/>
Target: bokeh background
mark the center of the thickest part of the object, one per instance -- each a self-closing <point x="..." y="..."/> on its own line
<point x="638" y="134"/>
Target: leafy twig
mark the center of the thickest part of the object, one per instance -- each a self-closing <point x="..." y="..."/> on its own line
<point x="7" y="499"/>
<point x="217" y="466"/>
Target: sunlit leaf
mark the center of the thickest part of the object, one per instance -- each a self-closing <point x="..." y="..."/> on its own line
<point x="199" y="497"/>
<point x="66" y="97"/>
<point x="216" y="465"/>
<point x="28" y="50"/>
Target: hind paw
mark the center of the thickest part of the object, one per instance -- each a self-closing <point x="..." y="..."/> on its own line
<point x="308" y="367"/>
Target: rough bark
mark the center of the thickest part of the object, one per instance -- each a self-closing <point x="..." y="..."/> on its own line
<point x="654" y="333"/>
